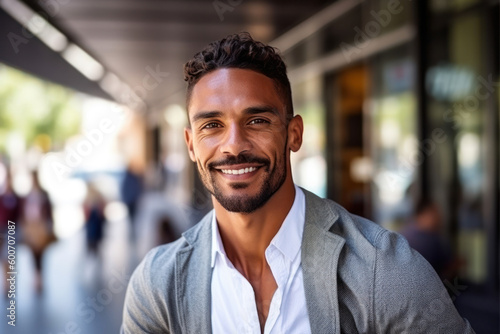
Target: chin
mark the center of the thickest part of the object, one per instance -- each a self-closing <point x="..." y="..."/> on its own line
<point x="242" y="204"/>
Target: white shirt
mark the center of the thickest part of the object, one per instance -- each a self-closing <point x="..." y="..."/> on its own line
<point x="233" y="300"/>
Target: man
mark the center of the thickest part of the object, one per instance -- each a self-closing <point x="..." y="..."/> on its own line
<point x="272" y="257"/>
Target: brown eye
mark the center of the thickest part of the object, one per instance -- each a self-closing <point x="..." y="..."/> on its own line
<point x="211" y="125"/>
<point x="258" y="121"/>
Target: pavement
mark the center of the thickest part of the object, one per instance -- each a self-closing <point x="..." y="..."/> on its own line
<point x="82" y="293"/>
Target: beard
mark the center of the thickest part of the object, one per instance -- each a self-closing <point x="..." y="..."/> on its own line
<point x="270" y="183"/>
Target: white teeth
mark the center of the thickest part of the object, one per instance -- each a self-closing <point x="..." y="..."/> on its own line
<point x="239" y="171"/>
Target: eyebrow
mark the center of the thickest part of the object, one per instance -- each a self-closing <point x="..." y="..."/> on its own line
<point x="206" y="115"/>
<point x="261" y="110"/>
<point x="248" y="111"/>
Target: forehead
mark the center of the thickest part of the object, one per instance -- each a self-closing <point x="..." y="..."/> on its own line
<point x="233" y="89"/>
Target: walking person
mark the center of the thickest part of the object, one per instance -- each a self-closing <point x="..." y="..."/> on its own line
<point x="10" y="209"/>
<point x="94" y="219"/>
<point x="37" y="226"/>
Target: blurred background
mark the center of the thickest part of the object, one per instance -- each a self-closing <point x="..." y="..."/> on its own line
<point x="401" y="107"/>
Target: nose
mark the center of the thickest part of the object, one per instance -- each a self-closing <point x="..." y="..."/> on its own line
<point x="235" y="141"/>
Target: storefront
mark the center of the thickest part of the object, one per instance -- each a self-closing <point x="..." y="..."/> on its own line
<point x="401" y="102"/>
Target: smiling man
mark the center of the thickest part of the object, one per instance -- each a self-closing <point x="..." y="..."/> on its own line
<point x="272" y="257"/>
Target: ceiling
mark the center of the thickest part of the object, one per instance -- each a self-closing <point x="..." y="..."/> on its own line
<point x="133" y="38"/>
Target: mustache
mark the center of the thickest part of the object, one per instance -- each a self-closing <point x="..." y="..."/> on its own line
<point x="239" y="159"/>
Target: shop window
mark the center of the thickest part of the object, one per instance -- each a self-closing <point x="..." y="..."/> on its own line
<point x="395" y="149"/>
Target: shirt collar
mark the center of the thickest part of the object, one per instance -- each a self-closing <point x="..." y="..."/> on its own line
<point x="288" y="240"/>
<point x="217" y="246"/>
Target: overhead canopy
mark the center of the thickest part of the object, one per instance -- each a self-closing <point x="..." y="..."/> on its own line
<point x="142" y="41"/>
<point x="18" y="49"/>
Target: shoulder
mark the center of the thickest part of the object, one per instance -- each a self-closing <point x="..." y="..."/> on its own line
<point x="159" y="263"/>
<point x="145" y="309"/>
<point x="160" y="260"/>
<point x="150" y="304"/>
<point x="356" y="231"/>
<point x="365" y="241"/>
<point x="400" y="287"/>
<point x="154" y="275"/>
<point x="367" y="245"/>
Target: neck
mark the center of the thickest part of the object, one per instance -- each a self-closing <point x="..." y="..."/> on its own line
<point x="246" y="236"/>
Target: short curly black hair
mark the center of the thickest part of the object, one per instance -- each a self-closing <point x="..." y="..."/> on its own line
<point x="240" y="51"/>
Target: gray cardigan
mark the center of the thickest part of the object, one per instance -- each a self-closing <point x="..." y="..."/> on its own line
<point x="358" y="278"/>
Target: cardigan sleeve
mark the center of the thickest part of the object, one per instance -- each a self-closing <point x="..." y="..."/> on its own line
<point x="409" y="296"/>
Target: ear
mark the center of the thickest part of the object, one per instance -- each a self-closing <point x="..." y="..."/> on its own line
<point x="188" y="137"/>
<point x="295" y="131"/>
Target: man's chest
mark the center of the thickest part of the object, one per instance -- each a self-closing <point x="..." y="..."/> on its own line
<point x="274" y="305"/>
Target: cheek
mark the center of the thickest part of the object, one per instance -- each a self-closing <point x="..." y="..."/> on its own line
<point x="204" y="150"/>
<point x="273" y="147"/>
<point x="272" y="139"/>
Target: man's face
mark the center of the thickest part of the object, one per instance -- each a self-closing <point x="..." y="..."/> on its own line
<point x="239" y="137"/>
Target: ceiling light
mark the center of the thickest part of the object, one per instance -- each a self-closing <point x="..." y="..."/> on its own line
<point x="18" y="10"/>
<point x="111" y="84"/>
<point x="35" y="24"/>
<point x="83" y="62"/>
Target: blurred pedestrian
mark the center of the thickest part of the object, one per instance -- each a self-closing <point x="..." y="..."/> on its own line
<point x="166" y="232"/>
<point x="37" y="225"/>
<point x="130" y="191"/>
<point x="94" y="217"/>
<point x="10" y="208"/>
<point x="424" y="235"/>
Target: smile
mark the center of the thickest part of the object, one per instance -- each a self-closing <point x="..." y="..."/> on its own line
<point x="239" y="171"/>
